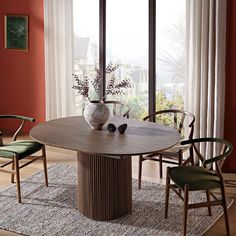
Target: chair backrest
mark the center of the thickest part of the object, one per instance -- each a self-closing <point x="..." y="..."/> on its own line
<point x="22" y="120"/>
<point x="183" y="121"/>
<point x="223" y="146"/>
<point x="118" y="108"/>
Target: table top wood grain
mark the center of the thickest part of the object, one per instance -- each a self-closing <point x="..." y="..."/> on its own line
<point x="74" y="133"/>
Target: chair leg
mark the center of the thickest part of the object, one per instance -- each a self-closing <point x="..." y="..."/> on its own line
<point x="191" y="156"/>
<point x="160" y="166"/>
<point x="45" y="166"/>
<point x="17" y="178"/>
<point x="225" y="210"/>
<point x="167" y="192"/>
<point x="180" y="154"/>
<point x="208" y="201"/>
<point x="140" y="164"/>
<point x="186" y="192"/>
<point x="13" y="168"/>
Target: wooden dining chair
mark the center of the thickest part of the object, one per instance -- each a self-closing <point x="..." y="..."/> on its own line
<point x="183" y="122"/>
<point x="197" y="178"/>
<point x="17" y="150"/>
<point x="118" y="109"/>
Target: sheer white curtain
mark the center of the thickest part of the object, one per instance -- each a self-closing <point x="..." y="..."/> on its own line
<point x="206" y="39"/>
<point x="58" y="17"/>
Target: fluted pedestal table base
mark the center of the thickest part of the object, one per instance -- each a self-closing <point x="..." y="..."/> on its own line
<point x="104" y="186"/>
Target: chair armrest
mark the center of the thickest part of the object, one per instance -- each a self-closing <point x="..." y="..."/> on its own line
<point x="18" y="117"/>
<point x="227" y="152"/>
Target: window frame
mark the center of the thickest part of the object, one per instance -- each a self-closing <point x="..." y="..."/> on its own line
<point x="151" y="52"/>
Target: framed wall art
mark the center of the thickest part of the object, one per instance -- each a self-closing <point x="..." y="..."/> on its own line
<point x="16" y="32"/>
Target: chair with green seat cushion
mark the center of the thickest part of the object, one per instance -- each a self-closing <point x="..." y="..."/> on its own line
<point x="17" y="150"/>
<point x="196" y="178"/>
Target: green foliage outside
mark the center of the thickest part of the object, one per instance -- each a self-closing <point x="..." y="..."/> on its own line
<point x="162" y="103"/>
<point x="139" y="105"/>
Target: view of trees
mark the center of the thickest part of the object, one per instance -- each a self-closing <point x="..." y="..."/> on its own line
<point x="137" y="105"/>
<point x="139" y="111"/>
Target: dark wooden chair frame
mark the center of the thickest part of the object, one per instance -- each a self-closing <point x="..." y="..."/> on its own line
<point x="169" y="157"/>
<point x="218" y="160"/>
<point x="15" y="166"/>
<point x="115" y="105"/>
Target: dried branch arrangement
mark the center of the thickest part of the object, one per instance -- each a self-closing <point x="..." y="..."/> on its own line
<point x="113" y="88"/>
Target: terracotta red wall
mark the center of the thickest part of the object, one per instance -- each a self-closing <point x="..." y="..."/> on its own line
<point x="230" y="109"/>
<point x="22" y="85"/>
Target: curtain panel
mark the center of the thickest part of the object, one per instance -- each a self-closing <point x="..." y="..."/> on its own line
<point x="58" y="28"/>
<point x="205" y="82"/>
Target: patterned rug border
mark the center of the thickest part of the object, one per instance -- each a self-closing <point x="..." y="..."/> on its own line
<point x="59" y="165"/>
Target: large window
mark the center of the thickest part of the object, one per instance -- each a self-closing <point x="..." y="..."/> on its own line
<point x="86" y="45"/>
<point x="170" y="53"/>
<point x="127" y="46"/>
<point x="125" y="33"/>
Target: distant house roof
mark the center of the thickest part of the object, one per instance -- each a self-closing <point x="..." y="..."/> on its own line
<point x="81" y="47"/>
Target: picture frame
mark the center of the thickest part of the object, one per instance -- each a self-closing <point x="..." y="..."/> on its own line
<point x="16" y="32"/>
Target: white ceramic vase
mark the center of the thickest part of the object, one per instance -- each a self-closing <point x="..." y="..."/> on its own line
<point x="96" y="114"/>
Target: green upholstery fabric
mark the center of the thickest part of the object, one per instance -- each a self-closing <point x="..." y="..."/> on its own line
<point x="196" y="177"/>
<point x="23" y="148"/>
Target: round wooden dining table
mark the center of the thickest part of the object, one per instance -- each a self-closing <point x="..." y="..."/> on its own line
<point x="104" y="159"/>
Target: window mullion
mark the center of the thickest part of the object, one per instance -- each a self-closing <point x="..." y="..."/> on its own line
<point x="102" y="46"/>
<point x="152" y="57"/>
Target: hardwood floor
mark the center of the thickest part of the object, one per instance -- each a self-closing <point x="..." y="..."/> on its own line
<point x="150" y="173"/>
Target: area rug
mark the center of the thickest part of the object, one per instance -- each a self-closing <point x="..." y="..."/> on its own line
<point x="52" y="211"/>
